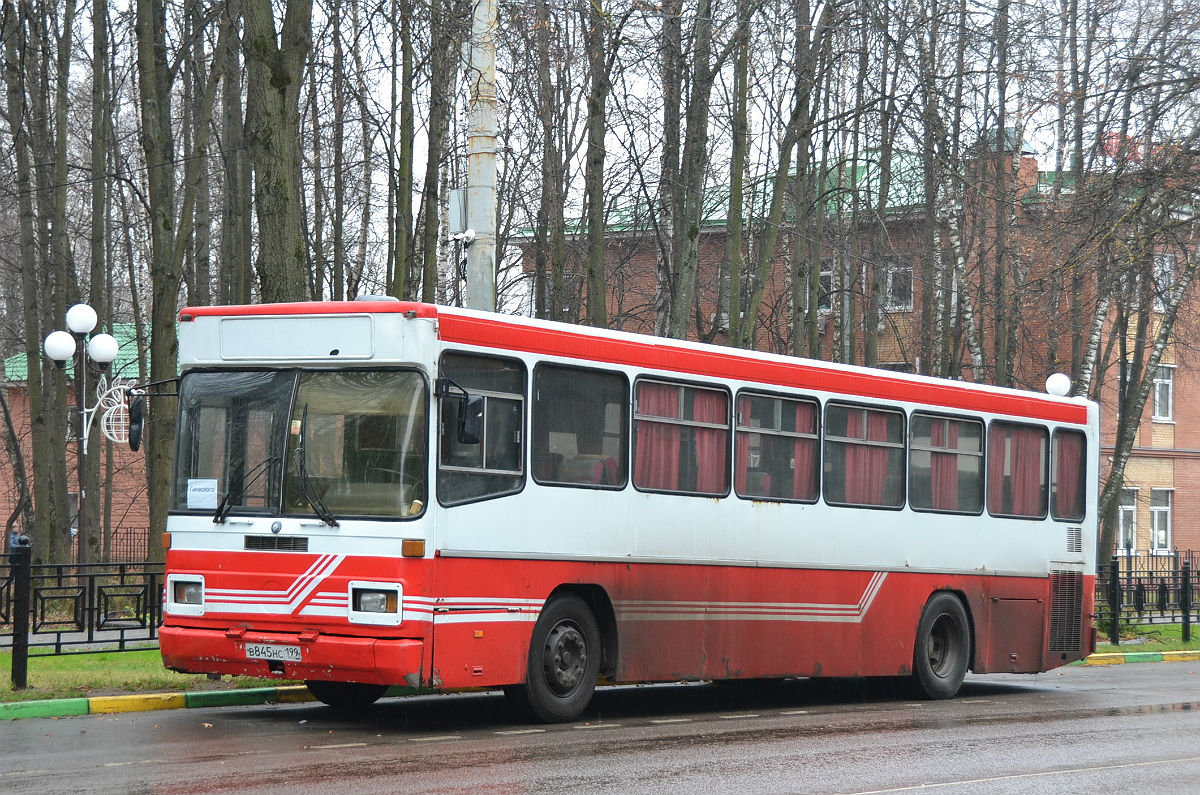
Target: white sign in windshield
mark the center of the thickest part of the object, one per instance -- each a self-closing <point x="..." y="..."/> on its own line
<point x="201" y="494"/>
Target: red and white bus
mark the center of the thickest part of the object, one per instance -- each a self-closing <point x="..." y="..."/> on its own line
<point x="378" y="493"/>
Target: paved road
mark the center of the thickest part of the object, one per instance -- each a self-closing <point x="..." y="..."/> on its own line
<point x="1128" y="727"/>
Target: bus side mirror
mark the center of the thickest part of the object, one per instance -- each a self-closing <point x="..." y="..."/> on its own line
<point x="470" y="419"/>
<point x="470" y="410"/>
<point x="137" y="412"/>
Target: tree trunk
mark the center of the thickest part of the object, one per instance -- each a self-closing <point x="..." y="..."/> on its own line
<point x="273" y="83"/>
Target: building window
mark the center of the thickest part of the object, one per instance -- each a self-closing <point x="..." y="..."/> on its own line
<point x="1127" y="523"/>
<point x="898" y="285"/>
<point x="1164" y="393"/>
<point x="825" y="287"/>
<point x="1164" y="280"/>
<point x="1160" y="520"/>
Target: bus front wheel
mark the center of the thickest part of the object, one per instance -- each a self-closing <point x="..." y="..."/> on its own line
<point x="346" y="696"/>
<point x="564" y="662"/>
<point x="943" y="649"/>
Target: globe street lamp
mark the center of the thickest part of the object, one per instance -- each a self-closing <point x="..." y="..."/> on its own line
<point x="62" y="346"/>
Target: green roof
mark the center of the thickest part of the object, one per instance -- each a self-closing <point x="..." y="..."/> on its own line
<point x="125" y="365"/>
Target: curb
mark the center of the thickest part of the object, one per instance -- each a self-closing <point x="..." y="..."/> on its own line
<point x="296" y="694"/>
<point x="68" y="707"/>
<point x="1141" y="657"/>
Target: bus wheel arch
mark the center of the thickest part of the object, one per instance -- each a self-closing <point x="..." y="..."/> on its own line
<point x="944" y="647"/>
<point x="567" y="652"/>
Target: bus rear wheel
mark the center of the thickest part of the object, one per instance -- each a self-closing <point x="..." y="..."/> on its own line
<point x="943" y="649"/>
<point x="346" y="696"/>
<point x="564" y="663"/>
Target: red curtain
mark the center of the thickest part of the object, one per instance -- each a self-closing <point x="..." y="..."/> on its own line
<point x="656" y="460"/>
<point x="711" y="469"/>
<point x="1026" y="472"/>
<point x="804" y="478"/>
<point x="1068" y="474"/>
<point x="995" y="469"/>
<point x="943" y="474"/>
<point x="866" y="465"/>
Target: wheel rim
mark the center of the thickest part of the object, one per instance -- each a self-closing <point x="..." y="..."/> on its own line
<point x="566" y="657"/>
<point x="942" y="648"/>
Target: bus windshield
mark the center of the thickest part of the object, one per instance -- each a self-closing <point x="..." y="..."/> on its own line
<point x="342" y="443"/>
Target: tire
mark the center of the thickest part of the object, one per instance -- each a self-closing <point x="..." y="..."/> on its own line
<point x="943" y="649"/>
<point x="346" y="696"/>
<point x="564" y="663"/>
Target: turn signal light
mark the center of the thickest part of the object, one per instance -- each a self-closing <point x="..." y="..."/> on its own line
<point x="413" y="547"/>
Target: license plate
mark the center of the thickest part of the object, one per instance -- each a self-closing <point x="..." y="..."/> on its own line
<point x="271" y="651"/>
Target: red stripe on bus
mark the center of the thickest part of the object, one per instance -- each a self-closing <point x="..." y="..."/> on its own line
<point x="661" y="355"/>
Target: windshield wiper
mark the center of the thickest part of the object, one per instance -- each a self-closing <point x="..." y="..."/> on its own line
<point x="306" y="485"/>
<point x="248" y="480"/>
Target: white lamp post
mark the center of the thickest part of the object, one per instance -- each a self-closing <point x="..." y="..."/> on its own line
<point x="62" y="346"/>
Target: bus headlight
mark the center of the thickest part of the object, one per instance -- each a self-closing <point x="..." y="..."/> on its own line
<point x="380" y="603"/>
<point x="184" y="594"/>
<point x="366" y="601"/>
<point x="189" y="593"/>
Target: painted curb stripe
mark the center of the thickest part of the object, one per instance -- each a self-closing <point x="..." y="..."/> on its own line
<point x="50" y="708"/>
<point x="138" y="703"/>
<point x="70" y="707"/>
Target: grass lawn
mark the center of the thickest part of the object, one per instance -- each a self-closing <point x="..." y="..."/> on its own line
<point x="109" y="674"/>
<point x="1150" y="637"/>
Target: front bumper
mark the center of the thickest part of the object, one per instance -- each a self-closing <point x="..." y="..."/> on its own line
<point x="333" y="658"/>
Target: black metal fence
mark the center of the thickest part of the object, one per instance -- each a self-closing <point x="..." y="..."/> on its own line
<point x="1158" y="589"/>
<point x="70" y="608"/>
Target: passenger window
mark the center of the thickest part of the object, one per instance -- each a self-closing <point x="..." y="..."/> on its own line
<point x="494" y="465"/>
<point x="864" y="456"/>
<point x="1016" y="470"/>
<point x="580" y="427"/>
<point x="945" y="464"/>
<point x="681" y="438"/>
<point x="1070" y="486"/>
<point x="776" y="454"/>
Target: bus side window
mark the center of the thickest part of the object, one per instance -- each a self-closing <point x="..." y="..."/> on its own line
<point x="1016" y="470"/>
<point x="580" y="427"/>
<point x="681" y="438"/>
<point x="1069" y="486"/>
<point x="945" y="464"/>
<point x="864" y="456"/>
<point x="776" y="449"/>
<point x="492" y="467"/>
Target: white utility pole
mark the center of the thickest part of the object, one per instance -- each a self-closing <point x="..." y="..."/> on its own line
<point x="481" y="161"/>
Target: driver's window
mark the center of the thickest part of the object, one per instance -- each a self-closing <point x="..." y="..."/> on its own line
<point x="494" y="465"/>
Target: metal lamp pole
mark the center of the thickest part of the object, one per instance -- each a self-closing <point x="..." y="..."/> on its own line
<point x="102" y="349"/>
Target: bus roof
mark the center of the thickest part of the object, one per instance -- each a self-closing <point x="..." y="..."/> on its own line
<point x="543" y="337"/>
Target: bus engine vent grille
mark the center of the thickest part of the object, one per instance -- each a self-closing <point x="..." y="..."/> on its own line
<point x="278" y="543"/>
<point x="1075" y="540"/>
<point x="1066" y="611"/>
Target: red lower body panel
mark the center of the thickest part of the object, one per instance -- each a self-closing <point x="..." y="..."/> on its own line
<point x="327" y="657"/>
<point x="468" y="622"/>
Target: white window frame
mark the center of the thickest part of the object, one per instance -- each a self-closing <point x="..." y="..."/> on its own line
<point x="894" y="268"/>
<point x="1164" y="279"/>
<point x="1161" y="515"/>
<point x="1127" y="522"/>
<point x="1164" y="378"/>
